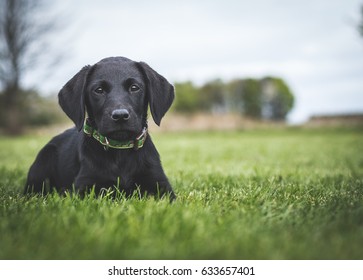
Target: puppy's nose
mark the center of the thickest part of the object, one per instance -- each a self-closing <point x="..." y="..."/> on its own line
<point x="120" y="115"/>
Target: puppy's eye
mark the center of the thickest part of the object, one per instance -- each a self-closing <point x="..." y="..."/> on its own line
<point x="134" y="88"/>
<point x="99" y="90"/>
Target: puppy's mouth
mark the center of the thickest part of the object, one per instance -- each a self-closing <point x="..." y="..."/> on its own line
<point x="120" y="132"/>
<point x="122" y="135"/>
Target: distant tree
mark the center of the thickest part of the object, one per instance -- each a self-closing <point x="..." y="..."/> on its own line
<point x="277" y="99"/>
<point x="252" y="105"/>
<point x="235" y="96"/>
<point x="187" y="97"/>
<point x="24" y="33"/>
<point x="212" y="96"/>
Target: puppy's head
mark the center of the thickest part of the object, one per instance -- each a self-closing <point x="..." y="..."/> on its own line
<point x="115" y="93"/>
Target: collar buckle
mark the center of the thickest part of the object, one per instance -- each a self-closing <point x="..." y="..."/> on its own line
<point x="106" y="145"/>
<point x="139" y="141"/>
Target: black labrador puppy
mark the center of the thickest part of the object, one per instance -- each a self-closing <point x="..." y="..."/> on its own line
<point x="111" y="147"/>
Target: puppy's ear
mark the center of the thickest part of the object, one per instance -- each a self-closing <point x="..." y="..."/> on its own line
<point x="160" y="92"/>
<point x="71" y="97"/>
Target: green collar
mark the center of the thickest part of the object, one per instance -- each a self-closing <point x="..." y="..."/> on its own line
<point x="115" y="144"/>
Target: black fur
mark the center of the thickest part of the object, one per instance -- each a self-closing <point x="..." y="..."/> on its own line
<point x="75" y="160"/>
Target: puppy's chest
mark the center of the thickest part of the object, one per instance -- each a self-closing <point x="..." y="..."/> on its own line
<point x="120" y="165"/>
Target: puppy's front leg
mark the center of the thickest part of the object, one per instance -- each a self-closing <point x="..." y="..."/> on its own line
<point x="85" y="181"/>
<point x="154" y="181"/>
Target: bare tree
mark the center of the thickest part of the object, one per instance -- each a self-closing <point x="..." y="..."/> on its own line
<point x="360" y="26"/>
<point x="24" y="32"/>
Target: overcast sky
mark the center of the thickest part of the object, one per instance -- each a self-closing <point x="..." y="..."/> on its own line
<point x="313" y="44"/>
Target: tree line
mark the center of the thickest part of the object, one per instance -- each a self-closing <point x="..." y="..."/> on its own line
<point x="269" y="98"/>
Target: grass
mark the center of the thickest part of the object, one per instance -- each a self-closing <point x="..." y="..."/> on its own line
<point x="265" y="194"/>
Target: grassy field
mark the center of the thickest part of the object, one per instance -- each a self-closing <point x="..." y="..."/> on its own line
<point x="264" y="194"/>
